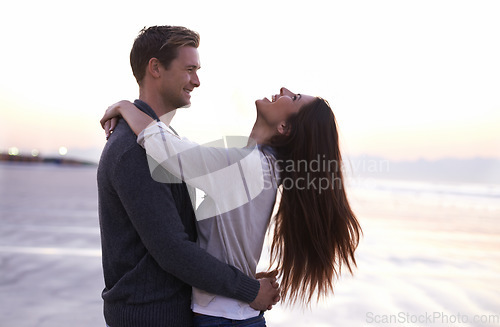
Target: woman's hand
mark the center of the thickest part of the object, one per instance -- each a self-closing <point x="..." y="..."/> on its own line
<point x="111" y="117"/>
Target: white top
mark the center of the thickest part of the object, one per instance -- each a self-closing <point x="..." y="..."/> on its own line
<point x="240" y="187"/>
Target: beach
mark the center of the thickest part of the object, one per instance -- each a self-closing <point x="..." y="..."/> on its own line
<point x="429" y="255"/>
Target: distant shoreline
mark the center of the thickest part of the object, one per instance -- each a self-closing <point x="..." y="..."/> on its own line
<point x="469" y="170"/>
<point x="52" y="160"/>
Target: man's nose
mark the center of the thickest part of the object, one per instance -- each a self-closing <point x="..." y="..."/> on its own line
<point x="195" y="80"/>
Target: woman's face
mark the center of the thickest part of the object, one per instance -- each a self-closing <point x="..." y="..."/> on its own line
<point x="281" y="106"/>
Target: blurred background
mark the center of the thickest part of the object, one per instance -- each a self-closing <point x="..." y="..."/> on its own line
<point x="415" y="90"/>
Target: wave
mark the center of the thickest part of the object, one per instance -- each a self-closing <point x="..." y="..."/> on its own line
<point x="424" y="187"/>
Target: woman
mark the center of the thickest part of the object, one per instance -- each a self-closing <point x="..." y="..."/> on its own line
<point x="293" y="144"/>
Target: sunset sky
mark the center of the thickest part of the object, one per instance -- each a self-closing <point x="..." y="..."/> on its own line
<point x="406" y="79"/>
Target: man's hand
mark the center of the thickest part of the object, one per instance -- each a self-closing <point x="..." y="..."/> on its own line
<point x="266" y="274"/>
<point x="268" y="294"/>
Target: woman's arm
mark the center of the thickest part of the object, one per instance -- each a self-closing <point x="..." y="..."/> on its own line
<point x="136" y="119"/>
<point x="208" y="168"/>
<point x="231" y="177"/>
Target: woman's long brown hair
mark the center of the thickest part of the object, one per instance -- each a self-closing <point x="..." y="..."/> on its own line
<point x="315" y="232"/>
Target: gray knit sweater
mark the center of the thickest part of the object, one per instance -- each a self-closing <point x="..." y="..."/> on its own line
<point x="148" y="239"/>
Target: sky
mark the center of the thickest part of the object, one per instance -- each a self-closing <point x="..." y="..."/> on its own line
<point x="406" y="79"/>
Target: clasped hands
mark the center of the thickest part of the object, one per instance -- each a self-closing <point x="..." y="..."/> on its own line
<point x="269" y="293"/>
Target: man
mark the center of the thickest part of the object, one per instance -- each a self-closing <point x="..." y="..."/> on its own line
<point x="148" y="230"/>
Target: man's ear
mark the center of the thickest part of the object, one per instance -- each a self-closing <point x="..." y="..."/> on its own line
<point x="154" y="67"/>
<point x="282" y="127"/>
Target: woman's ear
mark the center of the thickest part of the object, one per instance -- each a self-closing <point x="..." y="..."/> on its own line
<point x="282" y="127"/>
<point x="154" y="67"/>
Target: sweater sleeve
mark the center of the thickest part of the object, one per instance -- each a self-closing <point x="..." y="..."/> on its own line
<point x="153" y="213"/>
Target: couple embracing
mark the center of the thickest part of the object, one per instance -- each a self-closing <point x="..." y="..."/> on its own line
<point x="167" y="262"/>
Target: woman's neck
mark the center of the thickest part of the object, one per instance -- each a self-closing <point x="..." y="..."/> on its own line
<point x="261" y="133"/>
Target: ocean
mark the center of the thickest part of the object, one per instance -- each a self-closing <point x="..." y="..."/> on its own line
<point x="429" y="255"/>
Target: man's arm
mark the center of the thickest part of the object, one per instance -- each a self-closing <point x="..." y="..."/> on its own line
<point x="152" y="210"/>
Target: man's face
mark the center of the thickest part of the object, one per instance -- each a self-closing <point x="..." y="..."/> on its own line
<point x="180" y="78"/>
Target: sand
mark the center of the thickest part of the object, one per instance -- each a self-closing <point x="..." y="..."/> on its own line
<point x="426" y="259"/>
